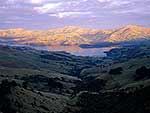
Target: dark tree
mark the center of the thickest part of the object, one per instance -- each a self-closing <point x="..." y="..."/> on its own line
<point x="142" y="72"/>
<point x="5" y="90"/>
<point x="116" y="71"/>
<point x="94" y="85"/>
<point x="54" y="84"/>
<point x="6" y="85"/>
<point x="25" y="84"/>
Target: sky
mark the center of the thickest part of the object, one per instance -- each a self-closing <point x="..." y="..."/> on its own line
<point x="96" y="14"/>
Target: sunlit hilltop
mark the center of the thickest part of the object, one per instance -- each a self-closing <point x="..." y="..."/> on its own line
<point x="73" y="35"/>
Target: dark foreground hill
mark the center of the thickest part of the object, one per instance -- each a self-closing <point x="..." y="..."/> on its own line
<point x="34" y="81"/>
<point x="121" y="101"/>
<point x="14" y="98"/>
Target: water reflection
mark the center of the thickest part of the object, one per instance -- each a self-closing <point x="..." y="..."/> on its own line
<point x="75" y="50"/>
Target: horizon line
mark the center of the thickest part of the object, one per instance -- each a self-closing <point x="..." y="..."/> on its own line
<point x="77" y="26"/>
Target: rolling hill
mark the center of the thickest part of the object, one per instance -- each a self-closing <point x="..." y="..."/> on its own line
<point x="72" y="35"/>
<point x="58" y="82"/>
<point x="129" y="33"/>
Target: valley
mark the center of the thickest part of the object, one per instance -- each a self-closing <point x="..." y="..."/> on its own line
<point x="75" y="70"/>
<point x="37" y="80"/>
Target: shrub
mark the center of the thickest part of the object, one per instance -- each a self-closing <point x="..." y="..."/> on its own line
<point x="52" y="83"/>
<point x="25" y="84"/>
<point x="116" y="71"/>
<point x="142" y="73"/>
<point x="94" y="85"/>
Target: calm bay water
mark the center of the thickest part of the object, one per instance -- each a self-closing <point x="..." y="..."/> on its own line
<point x="75" y="50"/>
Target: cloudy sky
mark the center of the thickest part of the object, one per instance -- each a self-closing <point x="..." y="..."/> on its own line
<point x="49" y="14"/>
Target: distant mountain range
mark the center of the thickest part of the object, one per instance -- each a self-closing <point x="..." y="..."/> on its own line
<point x="73" y="35"/>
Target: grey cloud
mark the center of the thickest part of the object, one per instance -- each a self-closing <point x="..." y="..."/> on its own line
<point x="36" y="14"/>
